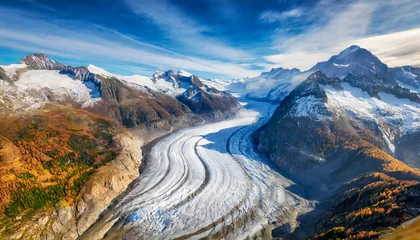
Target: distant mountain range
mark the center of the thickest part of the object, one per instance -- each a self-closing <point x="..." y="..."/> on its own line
<point x="277" y="83"/>
<point x="132" y="100"/>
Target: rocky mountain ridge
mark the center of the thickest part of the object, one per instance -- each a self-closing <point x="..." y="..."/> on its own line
<point x="131" y="100"/>
<point x="354" y="60"/>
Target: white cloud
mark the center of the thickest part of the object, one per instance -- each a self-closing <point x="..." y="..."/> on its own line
<point x="274" y="16"/>
<point x="182" y="29"/>
<point x="351" y="26"/>
<point x="320" y="42"/>
<point x="88" y="44"/>
<point x="302" y="59"/>
<point x="395" y="49"/>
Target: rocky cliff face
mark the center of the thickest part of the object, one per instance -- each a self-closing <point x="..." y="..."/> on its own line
<point x="132" y="107"/>
<point x="202" y="99"/>
<point x="41" y="62"/>
<point x="289" y="136"/>
<point x="208" y="101"/>
<point x="408" y="76"/>
<point x="3" y="75"/>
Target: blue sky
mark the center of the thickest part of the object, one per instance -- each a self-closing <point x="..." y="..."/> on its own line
<point x="214" y="38"/>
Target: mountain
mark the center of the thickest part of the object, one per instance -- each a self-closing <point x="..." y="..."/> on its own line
<point x="344" y="125"/>
<point x="133" y="107"/>
<point x="199" y="97"/>
<point x="322" y="107"/>
<point x="408" y="77"/>
<point x="269" y="86"/>
<point x="355" y="59"/>
<point x="276" y="84"/>
<point x="132" y="100"/>
<point x="206" y="100"/>
<point x="41" y="62"/>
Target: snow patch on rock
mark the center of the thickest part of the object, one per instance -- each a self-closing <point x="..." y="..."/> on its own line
<point x="11" y="69"/>
<point x="391" y="110"/>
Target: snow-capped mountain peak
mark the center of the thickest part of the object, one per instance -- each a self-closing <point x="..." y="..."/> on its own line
<point x="184" y="73"/>
<point x="42" y="62"/>
<point x="348" y="51"/>
<point x="100" y="71"/>
<point x="280" y="73"/>
<point x="355" y="59"/>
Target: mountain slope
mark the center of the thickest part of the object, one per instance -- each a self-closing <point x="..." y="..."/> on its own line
<point x="315" y="113"/>
<point x="46" y="156"/>
<point x="408" y="77"/>
<point x="369" y="207"/>
<point x="330" y="130"/>
<point x="132" y="107"/>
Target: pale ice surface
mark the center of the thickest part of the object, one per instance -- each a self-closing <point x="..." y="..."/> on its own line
<point x="11" y="69"/>
<point x="60" y="84"/>
<point x="402" y="113"/>
<point x="100" y="71"/>
<point x="308" y="107"/>
<point x="218" y="84"/>
<point x="34" y="88"/>
<point x="184" y="73"/>
<point x="341" y="65"/>
<point x="200" y="180"/>
<point x="133" y="80"/>
<point x="139" y="80"/>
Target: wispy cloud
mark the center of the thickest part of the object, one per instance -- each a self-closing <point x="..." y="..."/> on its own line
<point x="271" y="16"/>
<point x="160" y="34"/>
<point x="185" y="31"/>
<point x="39" y="5"/>
<point x="352" y="25"/>
<point x="395" y="49"/>
<point x="88" y="43"/>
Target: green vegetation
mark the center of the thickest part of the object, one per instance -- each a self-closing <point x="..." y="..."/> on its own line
<point x="78" y="183"/>
<point x="34" y="198"/>
<point x="26" y="176"/>
<point x="103" y="130"/>
<point x="87" y="148"/>
<point x="375" y="204"/>
<point x="50" y="156"/>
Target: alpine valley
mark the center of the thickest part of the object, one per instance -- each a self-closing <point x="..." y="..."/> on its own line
<point x="328" y="153"/>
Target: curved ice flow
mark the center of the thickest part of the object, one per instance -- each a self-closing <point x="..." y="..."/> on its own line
<point x="202" y="181"/>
